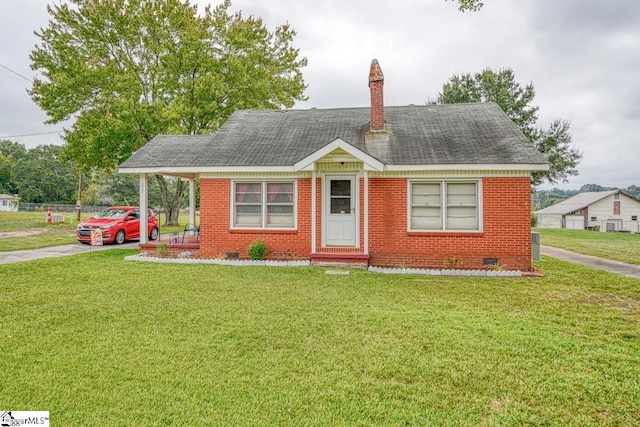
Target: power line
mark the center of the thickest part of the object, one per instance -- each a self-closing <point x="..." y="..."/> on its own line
<point x="16" y="73"/>
<point x="32" y="134"/>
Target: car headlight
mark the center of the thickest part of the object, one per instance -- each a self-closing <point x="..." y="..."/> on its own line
<point x="108" y="226"/>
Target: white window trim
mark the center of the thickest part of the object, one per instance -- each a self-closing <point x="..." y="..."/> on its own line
<point x="479" y="205"/>
<point x="326" y="177"/>
<point x="263" y="183"/>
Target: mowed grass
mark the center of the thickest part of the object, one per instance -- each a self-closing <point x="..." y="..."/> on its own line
<point x="624" y="247"/>
<point x="99" y="341"/>
<point x="29" y="230"/>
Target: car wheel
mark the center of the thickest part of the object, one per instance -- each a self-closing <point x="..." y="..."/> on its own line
<point x="154" y="233"/>
<point x="120" y="237"/>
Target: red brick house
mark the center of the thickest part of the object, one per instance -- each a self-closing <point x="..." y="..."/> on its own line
<point x="416" y="186"/>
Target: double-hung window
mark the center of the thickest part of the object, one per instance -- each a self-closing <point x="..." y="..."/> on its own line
<point x="444" y="206"/>
<point x="263" y="204"/>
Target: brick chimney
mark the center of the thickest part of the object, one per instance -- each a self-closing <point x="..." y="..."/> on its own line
<point x="376" y="83"/>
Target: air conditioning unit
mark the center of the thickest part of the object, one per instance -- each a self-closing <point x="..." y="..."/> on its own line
<point x="535" y="246"/>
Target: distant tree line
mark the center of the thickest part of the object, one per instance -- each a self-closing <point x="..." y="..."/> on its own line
<point x="41" y="175"/>
<point x="541" y="199"/>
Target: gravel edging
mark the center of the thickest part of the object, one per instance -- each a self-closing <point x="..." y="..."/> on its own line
<point x="144" y="258"/>
<point x="446" y="272"/>
<point x="306" y="263"/>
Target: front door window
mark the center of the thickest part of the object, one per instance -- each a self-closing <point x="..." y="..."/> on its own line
<point x="340" y="196"/>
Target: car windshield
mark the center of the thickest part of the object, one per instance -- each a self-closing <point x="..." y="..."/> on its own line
<point x="111" y="213"/>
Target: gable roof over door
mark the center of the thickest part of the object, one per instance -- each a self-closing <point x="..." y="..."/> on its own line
<point x="453" y="135"/>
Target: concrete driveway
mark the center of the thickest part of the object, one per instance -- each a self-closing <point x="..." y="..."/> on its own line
<point x="58" y="251"/>
<point x="630" y="270"/>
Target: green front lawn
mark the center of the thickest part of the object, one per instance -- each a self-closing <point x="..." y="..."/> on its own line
<point x="99" y="341"/>
<point x="624" y="247"/>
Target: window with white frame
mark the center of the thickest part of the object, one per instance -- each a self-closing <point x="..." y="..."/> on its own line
<point x="444" y="206"/>
<point x="263" y="204"/>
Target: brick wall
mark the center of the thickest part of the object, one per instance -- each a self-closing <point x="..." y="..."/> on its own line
<point x="217" y="240"/>
<point x="506" y="235"/>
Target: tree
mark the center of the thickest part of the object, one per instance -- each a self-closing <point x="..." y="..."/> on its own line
<point x="104" y="189"/>
<point x="469" y="5"/>
<point x="10" y="153"/>
<point x="128" y="70"/>
<point x="591" y="188"/>
<point x="42" y="177"/>
<point x="5" y="175"/>
<point x="555" y="143"/>
<point x="12" y="149"/>
<point x="633" y="191"/>
<point x="516" y="101"/>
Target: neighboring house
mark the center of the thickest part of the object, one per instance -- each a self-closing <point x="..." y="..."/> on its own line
<point x="414" y="186"/>
<point x="602" y="210"/>
<point x="9" y="203"/>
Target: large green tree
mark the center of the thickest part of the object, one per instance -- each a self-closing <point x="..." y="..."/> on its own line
<point x="10" y="153"/>
<point x="103" y="189"/>
<point x="516" y="100"/>
<point x="128" y="70"/>
<point x="42" y="176"/>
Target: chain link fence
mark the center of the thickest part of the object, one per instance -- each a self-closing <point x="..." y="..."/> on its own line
<point x="58" y="207"/>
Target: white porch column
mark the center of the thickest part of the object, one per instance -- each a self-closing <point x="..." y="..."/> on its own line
<point x="192" y="203"/>
<point x="313" y="211"/>
<point x="144" y="201"/>
<point x="366" y="212"/>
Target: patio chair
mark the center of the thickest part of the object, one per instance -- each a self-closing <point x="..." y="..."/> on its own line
<point x="191" y="229"/>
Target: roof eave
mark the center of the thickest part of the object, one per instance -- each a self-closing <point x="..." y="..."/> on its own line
<point x="466" y="166"/>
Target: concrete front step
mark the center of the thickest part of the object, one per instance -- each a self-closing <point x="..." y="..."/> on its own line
<point x="340" y="259"/>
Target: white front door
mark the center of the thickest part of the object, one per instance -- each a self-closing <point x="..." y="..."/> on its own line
<point x="340" y="224"/>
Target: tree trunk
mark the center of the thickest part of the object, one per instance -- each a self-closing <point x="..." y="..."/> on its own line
<point x="171" y="200"/>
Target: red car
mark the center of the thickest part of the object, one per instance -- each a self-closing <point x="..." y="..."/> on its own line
<point x="117" y="224"/>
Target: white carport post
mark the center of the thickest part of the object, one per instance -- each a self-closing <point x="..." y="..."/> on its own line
<point x="192" y="203"/>
<point x="313" y="211"/>
<point x="366" y="212"/>
<point x="144" y="219"/>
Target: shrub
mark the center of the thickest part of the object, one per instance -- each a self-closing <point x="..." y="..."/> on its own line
<point x="163" y="250"/>
<point x="452" y="262"/>
<point x="257" y="250"/>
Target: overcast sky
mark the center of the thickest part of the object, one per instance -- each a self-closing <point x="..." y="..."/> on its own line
<point x="583" y="57"/>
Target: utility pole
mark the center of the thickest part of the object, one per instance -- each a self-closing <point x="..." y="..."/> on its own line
<point x="79" y="201"/>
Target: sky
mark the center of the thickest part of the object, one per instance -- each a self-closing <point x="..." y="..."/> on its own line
<point x="582" y="56"/>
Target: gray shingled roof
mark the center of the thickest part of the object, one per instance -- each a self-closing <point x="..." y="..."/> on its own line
<point x="577" y="202"/>
<point x="429" y="134"/>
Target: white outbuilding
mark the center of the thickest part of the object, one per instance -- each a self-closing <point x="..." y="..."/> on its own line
<point x="602" y="210"/>
<point x="9" y="203"/>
